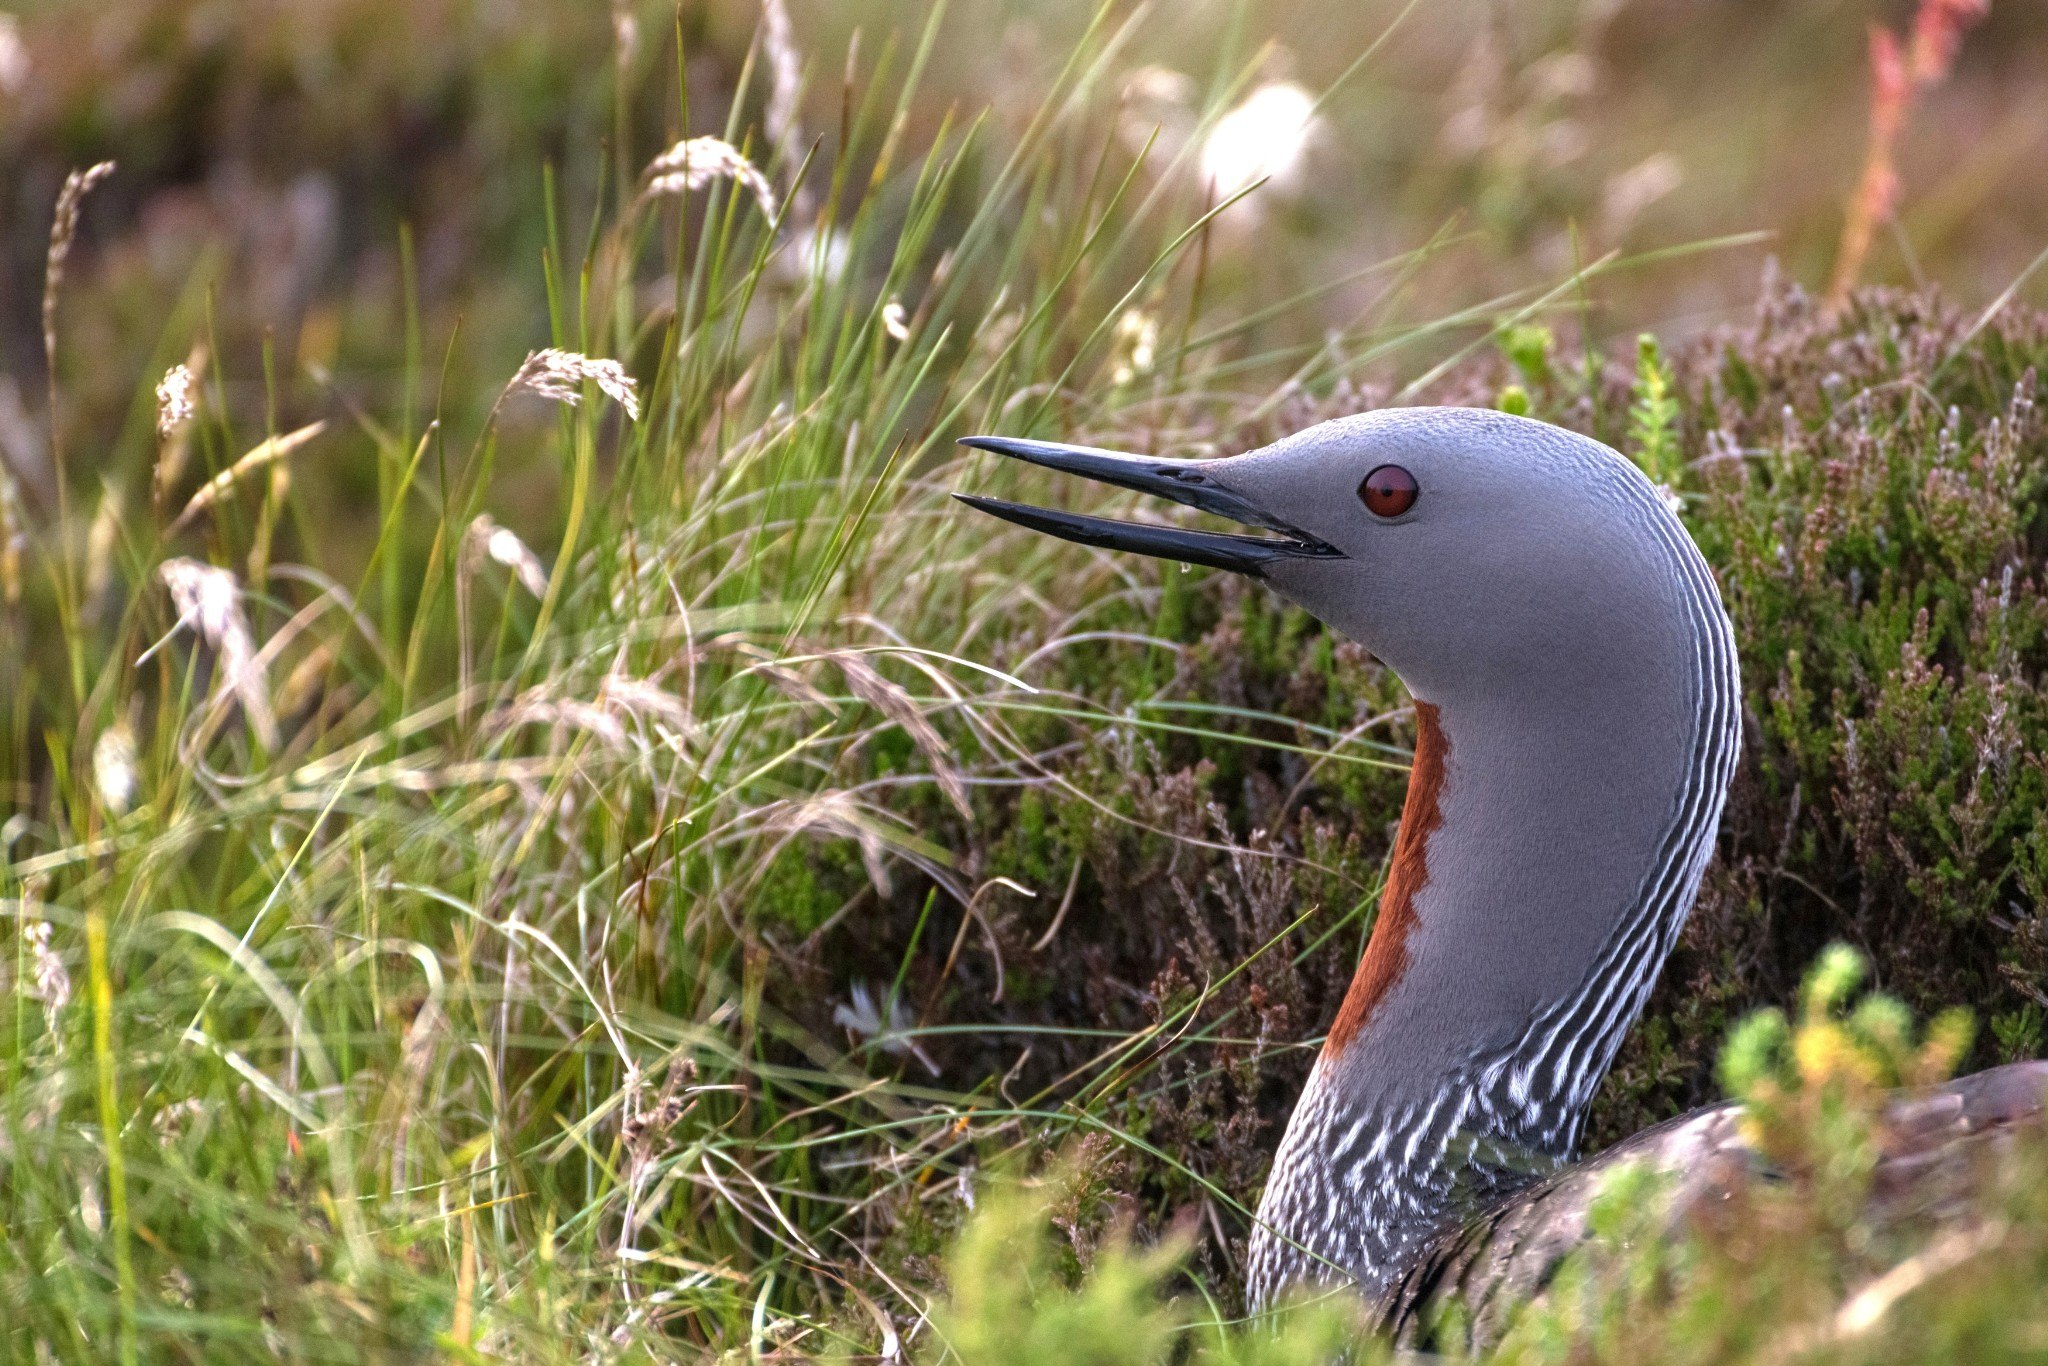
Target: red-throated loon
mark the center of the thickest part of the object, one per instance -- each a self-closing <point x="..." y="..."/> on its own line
<point x="1578" y="719"/>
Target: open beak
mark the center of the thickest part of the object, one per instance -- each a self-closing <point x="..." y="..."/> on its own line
<point x="1182" y="481"/>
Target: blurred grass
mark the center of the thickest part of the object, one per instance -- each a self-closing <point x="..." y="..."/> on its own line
<point x="286" y="147"/>
<point x="689" y="850"/>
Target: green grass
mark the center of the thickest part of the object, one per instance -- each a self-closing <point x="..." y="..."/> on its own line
<point x="488" y="1001"/>
<point x="452" y="1009"/>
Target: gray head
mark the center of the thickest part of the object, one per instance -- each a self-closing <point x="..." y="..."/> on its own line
<point x="1511" y="550"/>
<point x="1577" y="725"/>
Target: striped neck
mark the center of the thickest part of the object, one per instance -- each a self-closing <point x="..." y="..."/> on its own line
<point x="1551" y="846"/>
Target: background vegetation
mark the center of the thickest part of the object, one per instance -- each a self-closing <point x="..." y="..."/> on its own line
<point x="493" y="876"/>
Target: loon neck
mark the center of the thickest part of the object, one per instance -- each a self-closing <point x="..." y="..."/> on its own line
<point x="1549" y="850"/>
<point x="1506" y="899"/>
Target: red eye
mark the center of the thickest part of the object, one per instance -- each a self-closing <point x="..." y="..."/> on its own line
<point x="1388" y="491"/>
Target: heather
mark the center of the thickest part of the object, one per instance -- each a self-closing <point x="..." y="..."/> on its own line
<point x="536" y="829"/>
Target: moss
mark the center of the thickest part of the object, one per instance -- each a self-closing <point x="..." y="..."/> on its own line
<point x="807" y="882"/>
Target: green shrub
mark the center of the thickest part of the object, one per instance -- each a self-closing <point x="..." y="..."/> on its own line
<point x="1017" y="1294"/>
<point x="1847" y="1242"/>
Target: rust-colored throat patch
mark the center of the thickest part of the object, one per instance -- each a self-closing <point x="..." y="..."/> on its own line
<point x="1386" y="954"/>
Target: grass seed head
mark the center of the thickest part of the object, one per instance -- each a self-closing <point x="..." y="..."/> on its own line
<point x="695" y="163"/>
<point x="175" y="403"/>
<point x="896" y="703"/>
<point x="173" y="427"/>
<point x="561" y="375"/>
<point x="63" y="232"/>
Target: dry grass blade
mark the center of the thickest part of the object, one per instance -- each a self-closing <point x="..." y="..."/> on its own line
<point x="646" y="699"/>
<point x="1865" y="1311"/>
<point x="837" y="812"/>
<point x="1867" y="1307"/>
<point x="265" y="454"/>
<point x="537" y="708"/>
<point x="896" y="703"/>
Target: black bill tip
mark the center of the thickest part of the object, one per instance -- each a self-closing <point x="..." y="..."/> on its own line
<point x="1219" y="550"/>
<point x="1190" y="483"/>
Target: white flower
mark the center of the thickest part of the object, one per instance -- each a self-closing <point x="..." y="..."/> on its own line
<point x="174" y="402"/>
<point x="503" y="545"/>
<point x="113" y="767"/>
<point x="815" y="255"/>
<point x="1266" y="138"/>
<point x="696" y="162"/>
<point x="51" y="984"/>
<point x="561" y="375"/>
<point x="209" y="601"/>
<point x="1137" y="344"/>
<point x="862" y="1018"/>
<point x="894" y="321"/>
